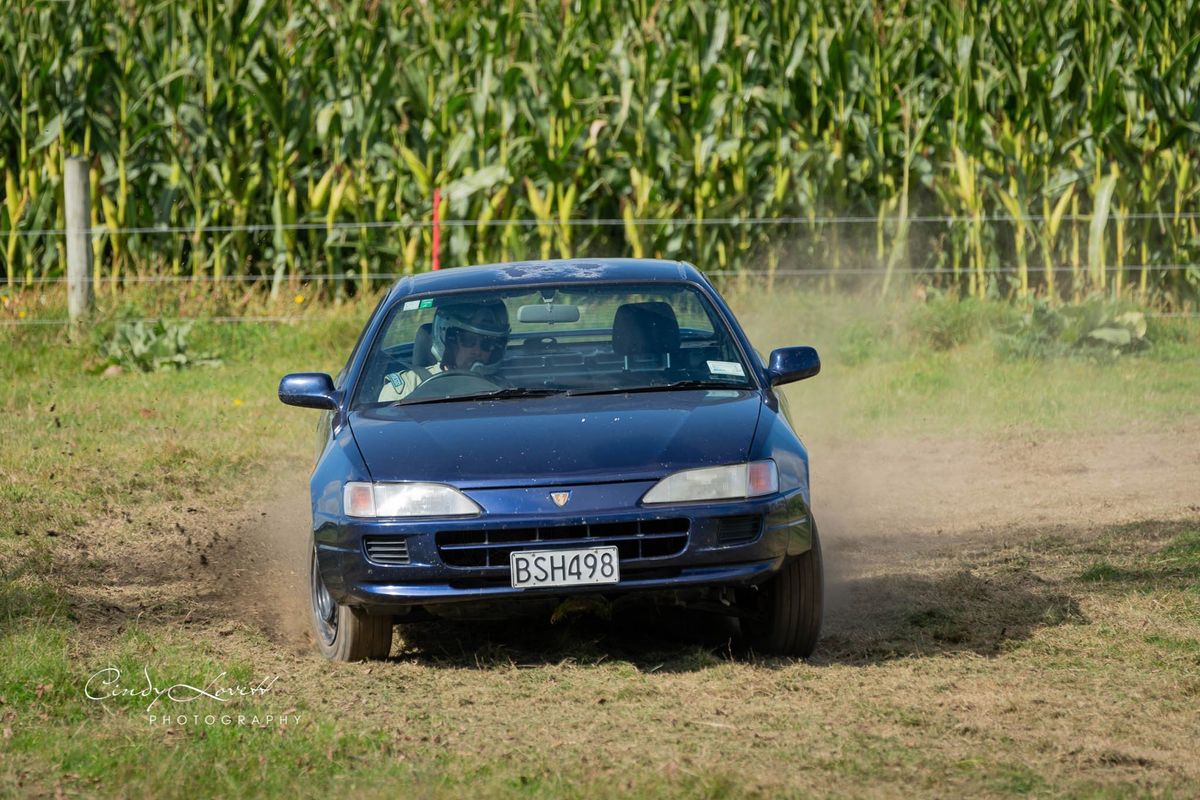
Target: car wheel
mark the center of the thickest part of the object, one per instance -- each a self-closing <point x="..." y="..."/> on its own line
<point x="784" y="617"/>
<point x="344" y="633"/>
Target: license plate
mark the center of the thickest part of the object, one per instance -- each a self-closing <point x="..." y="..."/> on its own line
<point x="532" y="568"/>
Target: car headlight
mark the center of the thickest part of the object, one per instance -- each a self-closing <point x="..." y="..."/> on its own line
<point x="370" y="500"/>
<point x="733" y="482"/>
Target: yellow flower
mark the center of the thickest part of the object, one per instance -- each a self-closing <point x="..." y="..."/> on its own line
<point x="237" y="402"/>
<point x="21" y="313"/>
<point x="299" y="299"/>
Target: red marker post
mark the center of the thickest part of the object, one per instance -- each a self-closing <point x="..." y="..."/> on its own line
<point x="437" y="229"/>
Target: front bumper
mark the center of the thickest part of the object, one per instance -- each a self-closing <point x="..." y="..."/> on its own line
<point x="405" y="595"/>
<point x="708" y="557"/>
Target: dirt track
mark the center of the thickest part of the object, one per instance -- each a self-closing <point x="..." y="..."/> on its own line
<point x="945" y="490"/>
<point x="959" y="640"/>
<point x="884" y="506"/>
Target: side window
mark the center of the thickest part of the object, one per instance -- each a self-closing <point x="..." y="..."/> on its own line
<point x="341" y="376"/>
<point x="691" y="312"/>
<point x="404" y="324"/>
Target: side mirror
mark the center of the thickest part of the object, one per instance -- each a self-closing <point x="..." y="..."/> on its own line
<point x="789" y="364"/>
<point x="308" y="390"/>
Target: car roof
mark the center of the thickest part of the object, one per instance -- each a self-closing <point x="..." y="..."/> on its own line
<point x="535" y="273"/>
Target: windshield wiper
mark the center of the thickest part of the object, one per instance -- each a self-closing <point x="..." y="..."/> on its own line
<point x="496" y="394"/>
<point x="661" y="387"/>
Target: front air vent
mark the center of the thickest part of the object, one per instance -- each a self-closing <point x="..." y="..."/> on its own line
<point x="386" y="550"/>
<point x="738" y="530"/>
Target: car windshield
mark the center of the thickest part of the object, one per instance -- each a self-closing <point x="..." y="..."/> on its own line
<point x="570" y="339"/>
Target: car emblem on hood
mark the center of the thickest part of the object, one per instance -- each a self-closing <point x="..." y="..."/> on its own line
<point x="560" y="498"/>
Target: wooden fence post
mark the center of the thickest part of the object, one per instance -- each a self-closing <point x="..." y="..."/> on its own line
<point x="76" y="193"/>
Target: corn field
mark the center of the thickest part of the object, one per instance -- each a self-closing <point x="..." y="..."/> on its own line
<point x="1006" y="148"/>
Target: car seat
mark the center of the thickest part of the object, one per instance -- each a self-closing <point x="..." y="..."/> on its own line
<point x="422" y="354"/>
<point x="645" y="329"/>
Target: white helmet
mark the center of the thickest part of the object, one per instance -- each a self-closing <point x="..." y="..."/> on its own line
<point x="487" y="318"/>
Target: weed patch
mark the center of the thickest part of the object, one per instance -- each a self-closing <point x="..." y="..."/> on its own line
<point x="1097" y="329"/>
<point x="1175" y="563"/>
<point x="945" y="322"/>
<point x="1174" y="644"/>
<point x="27" y="594"/>
<point x="1102" y="572"/>
<point x="151" y="346"/>
<point x="1184" y="552"/>
<point x="34" y="668"/>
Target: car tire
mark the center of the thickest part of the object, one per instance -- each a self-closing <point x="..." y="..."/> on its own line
<point x="785" y="615"/>
<point x="344" y="633"/>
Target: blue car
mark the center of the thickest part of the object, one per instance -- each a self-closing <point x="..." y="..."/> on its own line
<point x="519" y="433"/>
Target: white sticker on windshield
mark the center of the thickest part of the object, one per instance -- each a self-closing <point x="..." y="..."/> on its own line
<point x="726" y="368"/>
<point x="411" y="305"/>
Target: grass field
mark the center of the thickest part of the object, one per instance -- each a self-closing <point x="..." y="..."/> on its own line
<point x="1014" y="601"/>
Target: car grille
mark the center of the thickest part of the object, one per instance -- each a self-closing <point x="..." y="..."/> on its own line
<point x="636" y="539"/>
<point x="738" y="530"/>
<point x="386" y="550"/>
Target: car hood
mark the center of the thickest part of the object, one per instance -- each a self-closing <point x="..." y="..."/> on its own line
<point x="556" y="440"/>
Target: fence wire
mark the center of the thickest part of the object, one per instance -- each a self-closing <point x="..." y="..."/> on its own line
<point x="15" y="281"/>
<point x="604" y="222"/>
<point x="218" y="320"/>
<point x="818" y="272"/>
<point x="11" y="323"/>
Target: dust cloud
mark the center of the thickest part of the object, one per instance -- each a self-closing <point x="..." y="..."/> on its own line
<point x="268" y="571"/>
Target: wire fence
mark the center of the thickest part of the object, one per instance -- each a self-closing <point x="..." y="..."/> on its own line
<point x="816" y="272"/>
<point x="345" y="258"/>
<point x="916" y="219"/>
<point x="221" y="320"/>
<point x="299" y="319"/>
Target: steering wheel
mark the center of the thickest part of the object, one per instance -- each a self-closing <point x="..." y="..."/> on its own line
<point x="452" y="383"/>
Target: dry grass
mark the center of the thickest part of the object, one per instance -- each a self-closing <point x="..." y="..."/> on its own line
<point x="998" y="667"/>
<point x="1010" y="613"/>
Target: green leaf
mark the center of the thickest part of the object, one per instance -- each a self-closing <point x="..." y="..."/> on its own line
<point x="716" y="40"/>
<point x="417" y="169"/>
<point x="962" y="50"/>
<point x="49" y="134"/>
<point x="324" y="118"/>
<point x="1099" y="220"/>
<point x="798" y="46"/>
<point x="459" y="147"/>
<point x="1061" y="82"/>
<point x="481" y="180"/>
<point x="1134" y="321"/>
<point x="1120" y="337"/>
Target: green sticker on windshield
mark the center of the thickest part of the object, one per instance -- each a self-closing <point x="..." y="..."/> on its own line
<point x="427" y="303"/>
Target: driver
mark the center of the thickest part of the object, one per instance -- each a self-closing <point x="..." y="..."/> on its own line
<point x="467" y="336"/>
